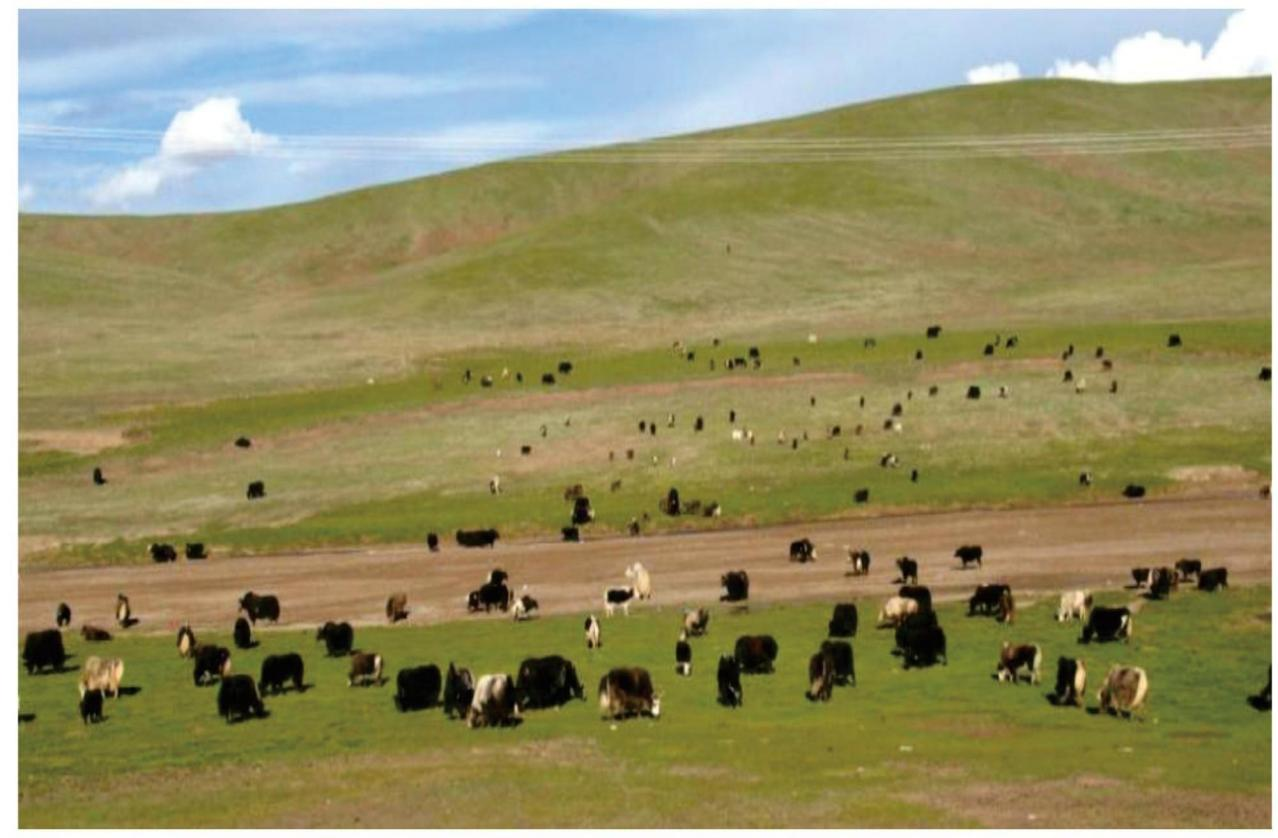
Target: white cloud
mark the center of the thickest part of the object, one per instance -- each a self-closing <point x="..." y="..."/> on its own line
<point x="990" y="73"/>
<point x="26" y="192"/>
<point x="211" y="131"/>
<point x="1241" y="49"/>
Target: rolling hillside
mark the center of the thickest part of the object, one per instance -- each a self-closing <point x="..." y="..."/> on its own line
<point x="120" y="312"/>
<point x="335" y="333"/>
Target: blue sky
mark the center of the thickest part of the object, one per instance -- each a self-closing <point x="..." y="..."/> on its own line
<point x="152" y="111"/>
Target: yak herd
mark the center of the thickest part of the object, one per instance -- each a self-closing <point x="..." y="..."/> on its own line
<point x="499" y="699"/>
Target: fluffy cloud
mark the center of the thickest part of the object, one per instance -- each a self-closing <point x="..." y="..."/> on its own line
<point x="1003" y="71"/>
<point x="212" y="131"/>
<point x="1241" y="49"/>
<point x="26" y="192"/>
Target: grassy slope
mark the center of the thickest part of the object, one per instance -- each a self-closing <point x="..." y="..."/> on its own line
<point x="389" y="463"/>
<point x="920" y="748"/>
<point x="188" y="331"/>
<point x="126" y="311"/>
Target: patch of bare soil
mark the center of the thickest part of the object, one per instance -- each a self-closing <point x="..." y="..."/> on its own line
<point x="1094" y="802"/>
<point x="1040" y="552"/>
<point x="86" y="441"/>
<point x="1212" y="474"/>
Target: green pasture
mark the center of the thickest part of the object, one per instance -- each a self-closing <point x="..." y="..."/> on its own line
<point x="389" y="462"/>
<point x="902" y="748"/>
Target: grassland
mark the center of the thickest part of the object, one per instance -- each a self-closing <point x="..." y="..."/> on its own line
<point x="945" y="746"/>
<point x="389" y="462"/>
<point x="335" y="333"/>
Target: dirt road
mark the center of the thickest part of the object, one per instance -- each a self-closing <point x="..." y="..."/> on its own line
<point x="1040" y="550"/>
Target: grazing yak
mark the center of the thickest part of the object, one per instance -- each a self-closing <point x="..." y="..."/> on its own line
<point x="582" y="512"/>
<point x="1071" y="682"/>
<point x="547" y="682"/>
<point x="210" y="662"/>
<point x="237" y="698"/>
<point x="1189" y="567"/>
<point x="123" y="613"/>
<point x="843" y="622"/>
<point x="63" y="616"/>
<point x="626" y="692"/>
<point x="1210" y="580"/>
<point x="256" y="489"/>
<point x="1084" y="478"/>
<point x="638" y="576"/>
<point x="921" y="640"/>
<point x="243" y="635"/>
<point x="756" y="654"/>
<point x="933" y="331"/>
<point x="570" y="534"/>
<point x="91" y="706"/>
<point x="264" y="607"/>
<point x="729" y="680"/>
<point x="973" y="392"/>
<point x="417" y="688"/>
<point x="477" y="538"/>
<point x="1105" y="624"/>
<point x="366" y="668"/>
<point x="98" y="479"/>
<point x="696" y="622"/>
<point x="861" y="496"/>
<point x="494" y="703"/>
<point x="1161" y="583"/>
<point x="1124" y="690"/>
<point x="161" y="553"/>
<point x="1012" y="659"/>
<point x="670" y="504"/>
<point x="523" y="607"/>
<point x="593" y="640"/>
<point x="860" y="561"/>
<point x="987" y="599"/>
<point x="618" y="597"/>
<point x="1265" y="373"/>
<point x="969" y="553"/>
<point x="459" y="691"/>
<point x="397" y="607"/>
<point x="1140" y="576"/>
<point x="43" y="649"/>
<point x="820" y="677"/>
<point x="1173" y="340"/>
<point x="279" y="670"/>
<point x="840" y="652"/>
<point x="432" y="542"/>
<point x="94" y="634"/>
<point x="101" y="674"/>
<point x="909" y="570"/>
<point x="195" y="551"/>
<point x="736" y="585"/>
<point x="919" y="594"/>
<point x="339" y="638"/>
<point x="896" y="610"/>
<point x="1133" y="491"/>
<point x="1074" y="605"/>
<point x="243" y="442"/>
<point x="490" y="594"/>
<point x="802" y="551"/>
<point x="683" y="655"/>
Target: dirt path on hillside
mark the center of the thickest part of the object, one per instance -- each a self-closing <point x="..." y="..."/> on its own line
<point x="1040" y="551"/>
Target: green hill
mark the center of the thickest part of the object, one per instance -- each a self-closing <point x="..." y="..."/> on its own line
<point x="335" y="332"/>
<point x="124" y="310"/>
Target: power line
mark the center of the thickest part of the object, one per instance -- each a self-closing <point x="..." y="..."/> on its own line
<point x="749" y="150"/>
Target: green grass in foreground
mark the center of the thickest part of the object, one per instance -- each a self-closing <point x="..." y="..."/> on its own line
<point x="900" y="749"/>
